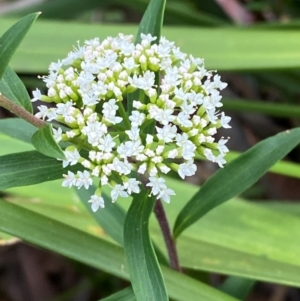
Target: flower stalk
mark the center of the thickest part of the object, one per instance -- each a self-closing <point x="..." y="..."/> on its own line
<point x="20" y="112"/>
<point x="168" y="238"/>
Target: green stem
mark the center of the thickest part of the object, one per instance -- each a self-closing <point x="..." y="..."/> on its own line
<point x="124" y="114"/>
<point x="20" y="112"/>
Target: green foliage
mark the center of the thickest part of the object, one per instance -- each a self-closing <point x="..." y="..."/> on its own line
<point x="44" y="142"/>
<point x="13" y="88"/>
<point x="248" y="241"/>
<point x="29" y="168"/>
<point x="12" y="38"/>
<point x="228" y="182"/>
<point x="126" y="294"/>
<point x="146" y="277"/>
<point x="237" y="287"/>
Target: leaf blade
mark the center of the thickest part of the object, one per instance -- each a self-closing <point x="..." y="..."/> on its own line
<point x="13" y="88"/>
<point x="12" y="38"/>
<point x="27" y="168"/>
<point x="45" y="143"/>
<point x="65" y="240"/>
<point x="152" y="19"/>
<point x="228" y="182"/>
<point x="126" y="294"/>
<point x="145" y="273"/>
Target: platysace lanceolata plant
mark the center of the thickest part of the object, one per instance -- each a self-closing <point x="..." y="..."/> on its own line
<point x="175" y="115"/>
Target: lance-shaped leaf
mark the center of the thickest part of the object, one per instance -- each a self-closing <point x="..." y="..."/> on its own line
<point x="30" y="168"/>
<point x="13" y="88"/>
<point x="44" y="142"/>
<point x="17" y="128"/>
<point x="111" y="218"/>
<point x="145" y="273"/>
<point x="12" y="38"/>
<point x="126" y="294"/>
<point x="236" y="177"/>
<point x="152" y="20"/>
<point x="237" y="286"/>
<point x="58" y="237"/>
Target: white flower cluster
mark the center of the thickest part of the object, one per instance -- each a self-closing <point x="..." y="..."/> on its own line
<point x="135" y="109"/>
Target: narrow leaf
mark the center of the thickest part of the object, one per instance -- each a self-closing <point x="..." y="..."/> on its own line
<point x="111" y="218"/>
<point x="13" y="88"/>
<point x="65" y="240"/>
<point x="237" y="287"/>
<point x="236" y="177"/>
<point x="61" y="238"/>
<point x="152" y="20"/>
<point x="145" y="273"/>
<point x="126" y="294"/>
<point x="17" y="128"/>
<point x="12" y="38"/>
<point x="29" y="168"/>
<point x="44" y="142"/>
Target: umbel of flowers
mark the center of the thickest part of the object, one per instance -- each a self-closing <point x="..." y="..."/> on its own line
<point x="174" y="114"/>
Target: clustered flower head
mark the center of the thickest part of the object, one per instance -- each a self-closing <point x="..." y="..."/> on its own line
<point x="132" y="110"/>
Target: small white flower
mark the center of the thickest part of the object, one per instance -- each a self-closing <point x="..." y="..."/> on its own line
<point x="132" y="186"/>
<point x="225" y="120"/>
<point x="72" y="157"/>
<point x="167" y="133"/>
<point x="43" y="111"/>
<point x="157" y="184"/>
<point x="187" y="169"/>
<point x="36" y="95"/>
<point x="220" y="160"/>
<point x="70" y="180"/>
<point x="136" y="118"/>
<point x="84" y="179"/>
<point x="165" y="194"/>
<point x="57" y="134"/>
<point x="97" y="202"/>
<point x="117" y="191"/>
<point x="222" y="147"/>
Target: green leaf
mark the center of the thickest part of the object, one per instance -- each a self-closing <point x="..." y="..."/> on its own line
<point x="286" y="168"/>
<point x="17" y="128"/>
<point x="57" y="9"/>
<point x="271" y="109"/>
<point x="226" y="241"/>
<point x="152" y="20"/>
<point x="12" y="38"/>
<point x="44" y="142"/>
<point x="273" y="49"/>
<point x="9" y="145"/>
<point x="145" y="274"/>
<point x="12" y="88"/>
<point x="237" y="287"/>
<point x="126" y="294"/>
<point x="236" y="177"/>
<point x="111" y="218"/>
<point x="98" y="253"/>
<point x="58" y="237"/>
<point x="29" y="168"/>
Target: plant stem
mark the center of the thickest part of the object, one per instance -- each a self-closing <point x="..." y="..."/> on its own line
<point x="20" y="112"/>
<point x="123" y="114"/>
<point x="169" y="241"/>
<point x="165" y="229"/>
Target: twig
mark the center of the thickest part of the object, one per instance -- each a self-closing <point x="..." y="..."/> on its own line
<point x="20" y="112"/>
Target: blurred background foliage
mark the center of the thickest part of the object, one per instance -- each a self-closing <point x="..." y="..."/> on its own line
<point x="256" y="46"/>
